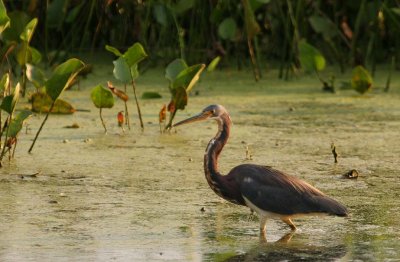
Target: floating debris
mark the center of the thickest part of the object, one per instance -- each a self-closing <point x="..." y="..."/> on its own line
<point x="352" y="174"/>
<point x="74" y="125"/>
<point x="87" y="140"/>
<point x="249" y="155"/>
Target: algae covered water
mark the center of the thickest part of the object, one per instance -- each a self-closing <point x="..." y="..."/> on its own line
<point x="142" y="196"/>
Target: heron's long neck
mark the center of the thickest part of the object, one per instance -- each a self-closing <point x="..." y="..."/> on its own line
<point x="213" y="150"/>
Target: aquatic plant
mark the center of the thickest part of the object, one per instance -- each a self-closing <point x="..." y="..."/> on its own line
<point x="126" y="68"/>
<point x="13" y="125"/>
<point x="60" y="79"/>
<point x="162" y="116"/>
<point x="311" y="60"/>
<point x="182" y="79"/>
<point x="124" y="97"/>
<point x="361" y="80"/>
<point x="16" y="35"/>
<point x="102" y="98"/>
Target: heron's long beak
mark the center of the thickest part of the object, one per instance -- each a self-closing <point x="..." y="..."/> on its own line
<point x="195" y="118"/>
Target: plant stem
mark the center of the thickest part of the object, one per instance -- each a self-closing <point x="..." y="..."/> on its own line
<point x="253" y="59"/>
<point x="171" y="117"/>
<point x="127" y="122"/>
<point x="15" y="146"/>
<point x="137" y="104"/>
<point x="41" y="126"/>
<point x="102" y="121"/>
<point x="389" y="78"/>
<point x="3" y="151"/>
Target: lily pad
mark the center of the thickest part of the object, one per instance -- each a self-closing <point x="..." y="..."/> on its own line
<point x="189" y="77"/>
<point x="9" y="102"/>
<point x="213" y="64"/>
<point x="4" y="19"/>
<point x="310" y="57"/>
<point x="227" y="29"/>
<point x="102" y="97"/>
<point x="35" y="75"/>
<point x="174" y="68"/>
<point x="151" y="95"/>
<point x="62" y="77"/>
<point x="361" y="80"/>
<point x="41" y="103"/>
<point x="17" y="122"/>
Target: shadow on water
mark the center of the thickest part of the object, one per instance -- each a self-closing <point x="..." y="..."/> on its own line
<point x="285" y="250"/>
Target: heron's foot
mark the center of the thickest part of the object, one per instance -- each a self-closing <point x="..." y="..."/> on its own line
<point x="290" y="223"/>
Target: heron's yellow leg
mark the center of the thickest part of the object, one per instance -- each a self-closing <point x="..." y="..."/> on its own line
<point x="288" y="221"/>
<point x="263" y="225"/>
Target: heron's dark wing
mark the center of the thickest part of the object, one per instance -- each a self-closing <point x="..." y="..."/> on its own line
<point x="274" y="191"/>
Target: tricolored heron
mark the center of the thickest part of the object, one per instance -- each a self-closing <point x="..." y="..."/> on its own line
<point x="265" y="190"/>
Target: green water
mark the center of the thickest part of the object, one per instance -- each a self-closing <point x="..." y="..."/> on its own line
<point x="137" y="196"/>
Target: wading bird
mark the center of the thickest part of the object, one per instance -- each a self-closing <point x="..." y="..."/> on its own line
<point x="267" y="191"/>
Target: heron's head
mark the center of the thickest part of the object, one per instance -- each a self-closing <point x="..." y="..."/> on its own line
<point x="210" y="112"/>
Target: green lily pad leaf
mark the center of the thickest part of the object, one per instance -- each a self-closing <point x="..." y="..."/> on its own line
<point x="22" y="53"/>
<point x="17" y="123"/>
<point x="180" y="98"/>
<point x="160" y="14"/>
<point x="62" y="76"/>
<point x="73" y="14"/>
<point x="122" y="71"/>
<point x="227" y="29"/>
<point x="361" y="80"/>
<point x="4" y="82"/>
<point x="174" y="68"/>
<point x="134" y="72"/>
<point x="36" y="56"/>
<point x="4" y="19"/>
<point x="102" y="97"/>
<point x="189" y="77"/>
<point x="323" y="25"/>
<point x="18" y="21"/>
<point x="310" y="57"/>
<point x="35" y="75"/>
<point x="213" y="64"/>
<point x="9" y="102"/>
<point x="113" y="50"/>
<point x="255" y="4"/>
<point x="183" y="5"/>
<point x="55" y="13"/>
<point x="151" y="95"/>
<point x="26" y="35"/>
<point x="134" y="54"/>
<point x="41" y="103"/>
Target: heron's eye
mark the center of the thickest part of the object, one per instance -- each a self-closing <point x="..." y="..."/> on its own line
<point x="213" y="111"/>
